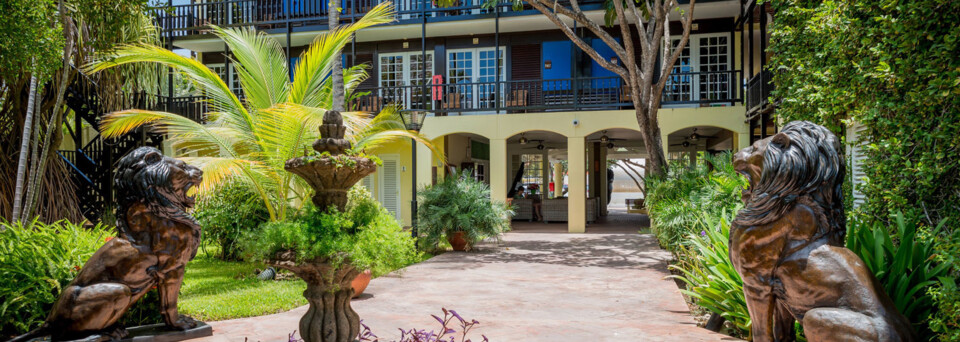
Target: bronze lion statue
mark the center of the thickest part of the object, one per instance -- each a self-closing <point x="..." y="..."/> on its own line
<point x="156" y="238"/>
<point x="787" y="244"/>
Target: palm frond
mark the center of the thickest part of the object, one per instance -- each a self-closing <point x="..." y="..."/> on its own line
<point x="221" y="97"/>
<point x="178" y="127"/>
<point x="260" y="64"/>
<point x="313" y="67"/>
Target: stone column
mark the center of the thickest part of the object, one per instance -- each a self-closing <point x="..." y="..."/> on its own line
<point x="498" y="169"/>
<point x="577" y="194"/>
<point x="557" y="179"/>
<point x="604" y="181"/>
<point x="424" y="166"/>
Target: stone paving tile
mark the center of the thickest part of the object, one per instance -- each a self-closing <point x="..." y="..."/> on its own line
<point x="534" y="286"/>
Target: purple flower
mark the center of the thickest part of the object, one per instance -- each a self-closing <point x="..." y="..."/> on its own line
<point x="703" y="233"/>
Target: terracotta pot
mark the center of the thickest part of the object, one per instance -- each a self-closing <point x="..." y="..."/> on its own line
<point x="360" y="282"/>
<point x="458" y="241"/>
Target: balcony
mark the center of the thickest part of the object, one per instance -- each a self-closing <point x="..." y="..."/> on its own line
<point x="194" y="18"/>
<point x="520" y="96"/>
<point x="758" y="92"/>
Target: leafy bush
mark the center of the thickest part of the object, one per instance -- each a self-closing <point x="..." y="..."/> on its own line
<point x="366" y="231"/>
<point x="891" y="66"/>
<point x="227" y="213"/>
<point x="680" y="203"/>
<point x="39" y="261"/>
<point x="710" y="276"/>
<point x="907" y="270"/>
<point x="459" y="203"/>
<point x="36" y="263"/>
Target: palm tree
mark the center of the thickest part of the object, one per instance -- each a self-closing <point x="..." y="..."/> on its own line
<point x="250" y="139"/>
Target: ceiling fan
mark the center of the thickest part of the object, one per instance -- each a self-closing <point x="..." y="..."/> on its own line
<point x="695" y="136"/>
<point x="606" y="140"/>
<point x="686" y="143"/>
<point x="539" y="146"/>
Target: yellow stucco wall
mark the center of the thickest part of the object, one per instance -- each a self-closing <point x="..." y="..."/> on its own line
<point x="498" y="128"/>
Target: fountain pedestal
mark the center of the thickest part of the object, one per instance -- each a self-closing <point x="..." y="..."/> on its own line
<point x="330" y="317"/>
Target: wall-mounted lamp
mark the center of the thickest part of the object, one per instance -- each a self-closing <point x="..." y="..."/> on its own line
<point x="476" y="41"/>
<point x="694" y="27"/>
<point x="406" y="45"/>
<point x="613" y="60"/>
<point x="547" y="64"/>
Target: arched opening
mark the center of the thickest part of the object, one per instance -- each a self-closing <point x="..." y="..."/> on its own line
<point x="688" y="144"/>
<point x="617" y="174"/>
<point x="536" y="176"/>
<point x="464" y="151"/>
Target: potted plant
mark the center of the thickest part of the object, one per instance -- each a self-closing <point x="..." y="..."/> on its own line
<point x="459" y="209"/>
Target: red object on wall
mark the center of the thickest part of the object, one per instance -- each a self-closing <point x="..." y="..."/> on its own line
<point x="437" y="88"/>
<point x="551" y="187"/>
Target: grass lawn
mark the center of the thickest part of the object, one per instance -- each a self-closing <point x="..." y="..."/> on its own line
<point x="217" y="290"/>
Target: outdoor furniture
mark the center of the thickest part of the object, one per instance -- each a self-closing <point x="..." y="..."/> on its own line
<point x="518" y="98"/>
<point x="592" y="209"/>
<point x="556" y="210"/>
<point x="371" y="104"/>
<point x="523" y="209"/>
<point x="636" y="206"/>
<point x="452" y="101"/>
<point x="625" y="94"/>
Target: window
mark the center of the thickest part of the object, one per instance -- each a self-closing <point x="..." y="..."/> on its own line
<point x="701" y="72"/>
<point x="532" y="169"/>
<point x="232" y="79"/>
<point x="472" y="74"/>
<point x="401" y="73"/>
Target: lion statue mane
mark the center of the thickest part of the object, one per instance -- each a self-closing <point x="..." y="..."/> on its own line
<point x="156" y="237"/>
<point x="787" y="243"/>
<point x="806" y="166"/>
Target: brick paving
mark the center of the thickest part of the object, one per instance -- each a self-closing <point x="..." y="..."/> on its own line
<point x="538" y="284"/>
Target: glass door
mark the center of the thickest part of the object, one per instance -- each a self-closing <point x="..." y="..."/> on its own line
<point x="472" y="75"/>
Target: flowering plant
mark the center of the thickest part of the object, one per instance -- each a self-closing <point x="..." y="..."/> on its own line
<point x="446" y="332"/>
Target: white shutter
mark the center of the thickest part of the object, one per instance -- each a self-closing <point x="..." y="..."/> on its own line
<point x="367" y="182"/>
<point x="857" y="157"/>
<point x="390" y="186"/>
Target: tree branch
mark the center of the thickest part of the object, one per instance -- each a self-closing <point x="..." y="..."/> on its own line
<point x="539" y="5"/>
<point x="667" y="68"/>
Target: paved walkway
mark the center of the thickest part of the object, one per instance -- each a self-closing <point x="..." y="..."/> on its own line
<point x="535" y="286"/>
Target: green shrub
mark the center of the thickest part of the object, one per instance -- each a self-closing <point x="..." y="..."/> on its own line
<point x="227" y="213"/>
<point x="459" y="203"/>
<point x="35" y="265"/>
<point x="680" y="203"/>
<point x="905" y="264"/>
<point x="891" y="66"/>
<point x="366" y="231"/>
<point x="711" y="279"/>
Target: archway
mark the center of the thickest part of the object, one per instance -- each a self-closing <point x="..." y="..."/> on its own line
<point x="687" y="145"/>
<point x="616" y="174"/>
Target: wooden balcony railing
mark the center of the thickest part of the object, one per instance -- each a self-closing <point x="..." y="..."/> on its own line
<point x="515" y="96"/>
<point x="190" y="19"/>
<point x="758" y="91"/>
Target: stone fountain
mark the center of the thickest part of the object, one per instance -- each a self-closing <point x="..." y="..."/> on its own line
<point x="331" y="176"/>
<point x="330" y="317"/>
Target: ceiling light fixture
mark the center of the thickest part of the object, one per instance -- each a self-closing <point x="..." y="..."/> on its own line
<point x="604" y="138"/>
<point x="523" y="139"/>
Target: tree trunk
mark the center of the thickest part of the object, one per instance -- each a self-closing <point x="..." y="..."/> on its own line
<point x="24" y="150"/>
<point x="337" y="103"/>
<point x="56" y="118"/>
<point x="650" y="133"/>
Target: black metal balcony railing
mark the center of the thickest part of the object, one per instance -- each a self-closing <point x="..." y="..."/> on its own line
<point x="191" y="19"/>
<point x="594" y="93"/>
<point x="758" y="90"/>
